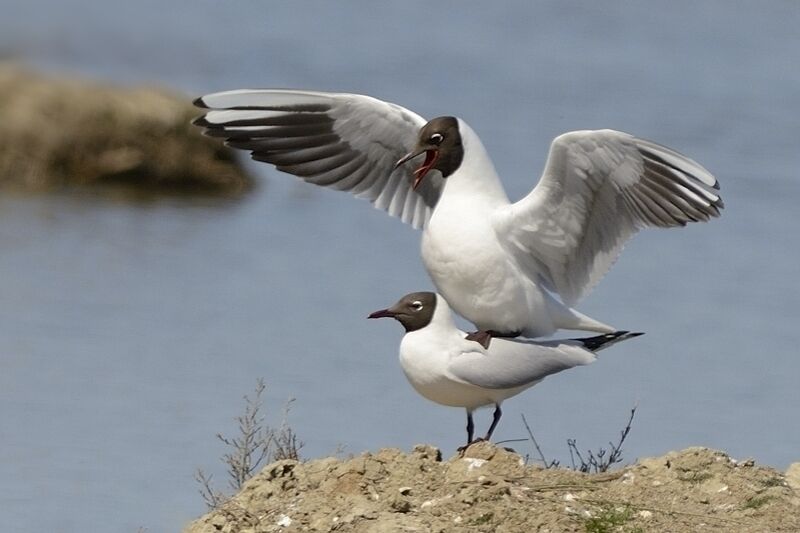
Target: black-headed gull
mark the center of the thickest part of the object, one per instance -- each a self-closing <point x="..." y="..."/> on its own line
<point x="446" y="368"/>
<point x="497" y="263"/>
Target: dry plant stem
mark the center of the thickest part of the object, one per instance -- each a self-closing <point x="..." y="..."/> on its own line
<point x="287" y="445"/>
<point x="213" y="499"/>
<point x="254" y="444"/>
<point x="602" y="460"/>
<point x="594" y="462"/>
<point x="536" y="445"/>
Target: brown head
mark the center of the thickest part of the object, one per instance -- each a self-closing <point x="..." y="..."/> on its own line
<point x="440" y="141"/>
<point x="414" y="311"/>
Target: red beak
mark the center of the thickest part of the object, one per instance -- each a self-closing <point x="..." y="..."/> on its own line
<point x="431" y="156"/>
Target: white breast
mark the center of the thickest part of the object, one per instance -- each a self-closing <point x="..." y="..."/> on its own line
<point x="424" y="355"/>
<point x="465" y="259"/>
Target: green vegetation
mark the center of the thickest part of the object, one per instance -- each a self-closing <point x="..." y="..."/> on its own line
<point x="756" y="501"/>
<point x="611" y="519"/>
<point x="694" y="477"/>
<point x="775" y="481"/>
<point x="482" y="519"/>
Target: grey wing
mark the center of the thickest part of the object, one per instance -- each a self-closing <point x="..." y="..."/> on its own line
<point x="346" y="142"/>
<point x="515" y="363"/>
<point x="598" y="189"/>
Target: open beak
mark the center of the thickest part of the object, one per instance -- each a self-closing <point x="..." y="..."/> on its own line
<point x="409" y="156"/>
<point x="431" y="156"/>
<point x="383" y="313"/>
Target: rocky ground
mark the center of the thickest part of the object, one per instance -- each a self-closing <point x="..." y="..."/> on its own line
<point x="491" y="489"/>
<point x="60" y="132"/>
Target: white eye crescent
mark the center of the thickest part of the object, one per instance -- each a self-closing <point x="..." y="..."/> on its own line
<point x="417" y="305"/>
<point x="436" y="138"/>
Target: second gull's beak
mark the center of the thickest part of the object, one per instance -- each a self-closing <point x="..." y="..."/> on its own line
<point x="383" y="313"/>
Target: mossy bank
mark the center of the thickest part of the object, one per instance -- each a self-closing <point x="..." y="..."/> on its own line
<point x="60" y="132"/>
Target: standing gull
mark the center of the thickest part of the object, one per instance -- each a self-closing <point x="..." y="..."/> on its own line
<point x="499" y="264"/>
<point x="446" y="368"/>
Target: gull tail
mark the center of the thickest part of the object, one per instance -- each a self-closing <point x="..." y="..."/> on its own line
<point x="564" y="317"/>
<point x="595" y="344"/>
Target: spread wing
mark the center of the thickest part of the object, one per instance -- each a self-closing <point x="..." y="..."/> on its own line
<point x="515" y="363"/>
<point x="598" y="189"/>
<point x="347" y="142"/>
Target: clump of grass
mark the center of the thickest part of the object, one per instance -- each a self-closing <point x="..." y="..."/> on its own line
<point x="694" y="477"/>
<point x="609" y="519"/>
<point x="775" y="481"/>
<point x="254" y="444"/>
<point x="482" y="519"/>
<point x="756" y="501"/>
<point x="588" y="462"/>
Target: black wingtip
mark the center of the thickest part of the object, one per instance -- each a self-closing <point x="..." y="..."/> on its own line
<point x="622" y="335"/>
<point x="201" y="121"/>
<point x="198" y="102"/>
<point x="600" y="341"/>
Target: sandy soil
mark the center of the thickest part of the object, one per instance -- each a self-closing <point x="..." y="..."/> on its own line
<point x="491" y="489"/>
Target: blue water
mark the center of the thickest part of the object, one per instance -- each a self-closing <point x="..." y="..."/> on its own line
<point x="129" y="331"/>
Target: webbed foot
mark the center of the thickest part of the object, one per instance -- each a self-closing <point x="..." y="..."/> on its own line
<point x="484" y="337"/>
<point x="481" y="337"/>
<point x="462" y="449"/>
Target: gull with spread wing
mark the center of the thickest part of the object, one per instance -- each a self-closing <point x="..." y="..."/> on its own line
<point x="510" y="268"/>
<point x="447" y="369"/>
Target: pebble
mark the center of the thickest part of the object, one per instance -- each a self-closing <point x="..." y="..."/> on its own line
<point x="473" y="463"/>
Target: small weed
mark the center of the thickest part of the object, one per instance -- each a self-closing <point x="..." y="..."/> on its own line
<point x="593" y="462"/>
<point x="775" y="481"/>
<point x="602" y="460"/>
<point x="694" y="477"/>
<point x="609" y="519"/>
<point x="482" y="519"/>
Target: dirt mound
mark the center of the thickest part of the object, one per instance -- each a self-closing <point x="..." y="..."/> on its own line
<point x="491" y="489"/>
<point x="61" y="132"/>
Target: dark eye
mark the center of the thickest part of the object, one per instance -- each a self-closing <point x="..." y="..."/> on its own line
<point x="417" y="305"/>
<point x="436" y="139"/>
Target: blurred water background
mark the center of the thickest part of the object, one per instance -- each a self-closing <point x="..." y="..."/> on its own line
<point x="129" y="331"/>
